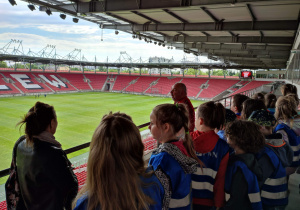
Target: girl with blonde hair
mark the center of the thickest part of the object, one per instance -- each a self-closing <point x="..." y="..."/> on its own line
<point x="289" y="126"/>
<point x="116" y="174"/>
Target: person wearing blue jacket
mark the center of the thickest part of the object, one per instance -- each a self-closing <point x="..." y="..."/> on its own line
<point x="273" y="160"/>
<point x="243" y="172"/>
<point x="175" y="159"/>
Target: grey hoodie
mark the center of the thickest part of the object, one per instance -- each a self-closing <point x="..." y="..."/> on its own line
<point x="283" y="151"/>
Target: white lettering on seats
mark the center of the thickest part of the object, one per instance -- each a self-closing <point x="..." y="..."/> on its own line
<point x="26" y="81"/>
<point x="4" y="87"/>
<point x="56" y="82"/>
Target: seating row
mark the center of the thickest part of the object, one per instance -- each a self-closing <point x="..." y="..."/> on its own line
<point x="43" y="82"/>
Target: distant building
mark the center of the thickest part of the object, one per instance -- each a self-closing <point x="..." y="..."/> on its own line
<point x="160" y="60"/>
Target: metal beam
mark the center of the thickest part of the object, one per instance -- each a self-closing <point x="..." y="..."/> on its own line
<point x="207" y="46"/>
<point x="145" y="16"/>
<point x="229" y="39"/>
<point x="209" y="14"/>
<point x="129" y="5"/>
<point x="241" y="53"/>
<point x="175" y="16"/>
<point x="223" y="55"/>
<point x="120" y="18"/>
<point x="276" y="60"/>
<point x="251" y="12"/>
<point x="226" y="26"/>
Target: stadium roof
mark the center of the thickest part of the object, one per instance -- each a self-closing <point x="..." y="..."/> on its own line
<point x="257" y="34"/>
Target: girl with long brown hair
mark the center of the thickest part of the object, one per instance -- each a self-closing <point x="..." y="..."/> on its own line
<point x="116" y="175"/>
<point x="175" y="159"/>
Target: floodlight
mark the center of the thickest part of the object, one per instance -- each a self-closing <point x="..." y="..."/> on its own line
<point x="12" y="2"/>
<point x="116" y="32"/>
<point x="31" y="7"/>
<point x="62" y="16"/>
<point x="163" y="45"/>
<point x="75" y="20"/>
<point x="155" y="42"/>
<point x="159" y="43"/>
<point x="48" y="11"/>
<point x="140" y="38"/>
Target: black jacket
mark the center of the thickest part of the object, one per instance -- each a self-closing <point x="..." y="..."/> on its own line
<point x="45" y="176"/>
<point x="239" y="189"/>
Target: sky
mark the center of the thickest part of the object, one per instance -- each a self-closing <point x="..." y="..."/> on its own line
<point x="36" y="30"/>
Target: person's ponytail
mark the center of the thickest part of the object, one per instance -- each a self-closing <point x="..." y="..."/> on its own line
<point x="37" y="120"/>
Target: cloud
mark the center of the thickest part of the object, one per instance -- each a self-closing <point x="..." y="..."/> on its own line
<point x="91" y="46"/>
<point x="67" y="29"/>
<point x="36" y="30"/>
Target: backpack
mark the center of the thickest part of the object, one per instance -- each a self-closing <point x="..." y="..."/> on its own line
<point x="12" y="189"/>
<point x="294" y="142"/>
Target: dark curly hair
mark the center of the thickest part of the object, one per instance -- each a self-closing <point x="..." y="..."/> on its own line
<point x="245" y="135"/>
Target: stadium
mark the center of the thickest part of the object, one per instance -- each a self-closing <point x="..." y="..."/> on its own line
<point x="265" y="57"/>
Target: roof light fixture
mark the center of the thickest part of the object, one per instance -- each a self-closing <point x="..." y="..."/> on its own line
<point x="62" y="16"/>
<point x="31" y="7"/>
<point x="48" y="11"/>
<point x="75" y="20"/>
<point x="12" y="2"/>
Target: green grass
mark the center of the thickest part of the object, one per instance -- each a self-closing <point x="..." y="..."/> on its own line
<point x="78" y="115"/>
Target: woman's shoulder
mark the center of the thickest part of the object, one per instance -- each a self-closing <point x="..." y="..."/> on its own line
<point x="81" y="203"/>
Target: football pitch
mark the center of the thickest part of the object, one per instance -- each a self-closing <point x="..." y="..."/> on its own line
<point x="78" y="115"/>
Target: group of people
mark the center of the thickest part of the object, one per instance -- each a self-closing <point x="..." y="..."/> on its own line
<point x="216" y="158"/>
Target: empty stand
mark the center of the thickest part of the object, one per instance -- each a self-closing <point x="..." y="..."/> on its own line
<point x="193" y="85"/>
<point x="251" y="85"/>
<point x="216" y="86"/>
<point x="163" y="86"/>
<point x="141" y="85"/>
<point x="76" y="80"/>
<point x="122" y="81"/>
<point x="97" y="80"/>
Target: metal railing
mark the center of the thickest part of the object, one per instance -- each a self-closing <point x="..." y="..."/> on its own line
<point x="225" y="101"/>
